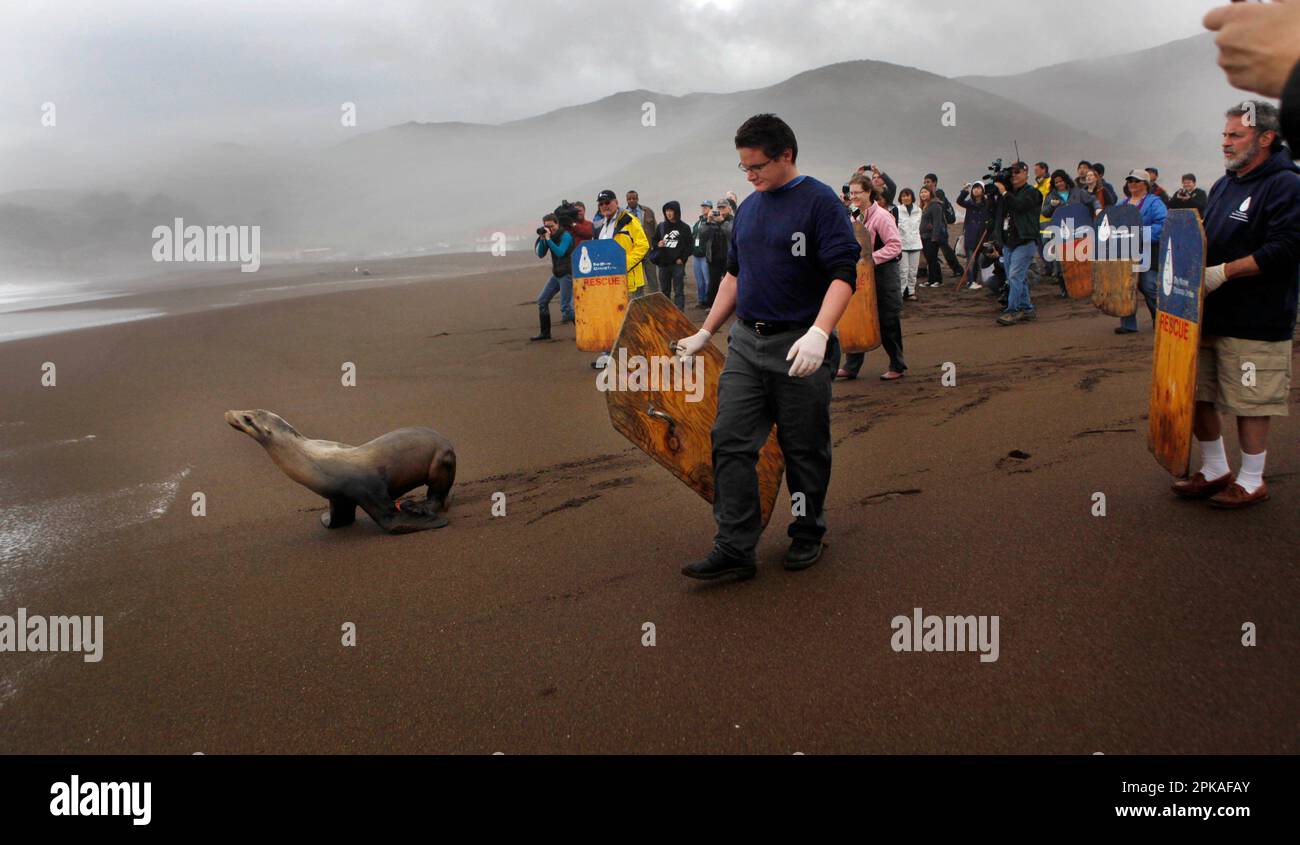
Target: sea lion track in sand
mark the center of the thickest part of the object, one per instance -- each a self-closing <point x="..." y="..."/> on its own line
<point x="888" y="495"/>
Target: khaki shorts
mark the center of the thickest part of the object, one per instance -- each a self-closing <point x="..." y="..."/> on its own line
<point x="1248" y="378"/>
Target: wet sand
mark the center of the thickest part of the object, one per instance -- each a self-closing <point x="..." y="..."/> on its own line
<point x="523" y="633"/>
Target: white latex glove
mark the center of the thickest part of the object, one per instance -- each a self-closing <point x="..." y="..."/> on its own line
<point x="808" y="352"/>
<point x="1215" y="276"/>
<point x="689" y="347"/>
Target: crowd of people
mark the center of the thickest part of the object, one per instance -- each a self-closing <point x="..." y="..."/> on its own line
<point x="782" y="349"/>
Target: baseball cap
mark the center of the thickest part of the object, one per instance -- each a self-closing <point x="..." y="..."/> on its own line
<point x="1140" y="175"/>
<point x="606" y="195"/>
<point x="709" y="203"/>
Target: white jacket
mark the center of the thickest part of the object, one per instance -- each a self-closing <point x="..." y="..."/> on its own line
<point x="909" y="226"/>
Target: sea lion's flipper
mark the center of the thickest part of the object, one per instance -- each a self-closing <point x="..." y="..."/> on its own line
<point x="342" y="512"/>
<point x="442" y="474"/>
<point x="394" y="520"/>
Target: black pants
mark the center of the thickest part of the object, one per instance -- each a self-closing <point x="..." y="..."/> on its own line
<point x="950" y="255"/>
<point x="717" y="269"/>
<point x="754" y="392"/>
<point x="889" y="308"/>
<point x="933" y="269"/>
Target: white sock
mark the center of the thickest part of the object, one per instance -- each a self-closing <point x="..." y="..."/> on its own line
<point x="1214" y="460"/>
<point x="1252" y="471"/>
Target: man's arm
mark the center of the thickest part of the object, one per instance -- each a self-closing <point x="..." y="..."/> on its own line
<point x="834" y="304"/>
<point x="724" y="305"/>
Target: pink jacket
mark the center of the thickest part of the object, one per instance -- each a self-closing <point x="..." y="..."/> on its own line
<point x="881" y="222"/>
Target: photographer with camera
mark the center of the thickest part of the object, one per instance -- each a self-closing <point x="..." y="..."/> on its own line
<point x="717" y="230"/>
<point x="979" y="207"/>
<point x="558" y="243"/>
<point x="1189" y="196"/>
<point x="1015" y="230"/>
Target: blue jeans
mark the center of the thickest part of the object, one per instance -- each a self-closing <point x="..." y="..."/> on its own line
<point x="1147" y="284"/>
<point x="564" y="287"/>
<point x="701" y="265"/>
<point x="1017" y="261"/>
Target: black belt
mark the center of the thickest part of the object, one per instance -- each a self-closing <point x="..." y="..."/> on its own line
<point x="763" y="328"/>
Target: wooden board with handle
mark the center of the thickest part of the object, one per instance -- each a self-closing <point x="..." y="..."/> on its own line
<point x="666" y="422"/>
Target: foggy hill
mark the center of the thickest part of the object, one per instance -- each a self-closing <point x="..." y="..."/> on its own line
<point x="423" y="187"/>
<point x="1170" y="98"/>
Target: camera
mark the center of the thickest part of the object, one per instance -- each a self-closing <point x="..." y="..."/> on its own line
<point x="566" y="213"/>
<point x="998" y="173"/>
<point x="541" y="232"/>
<point x="844" y="191"/>
<point x="856" y="213"/>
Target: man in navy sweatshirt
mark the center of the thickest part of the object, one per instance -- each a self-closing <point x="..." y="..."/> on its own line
<point x="791" y="271"/>
<point x="1252" y="233"/>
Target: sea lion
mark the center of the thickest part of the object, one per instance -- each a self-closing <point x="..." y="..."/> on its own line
<point x="372" y="475"/>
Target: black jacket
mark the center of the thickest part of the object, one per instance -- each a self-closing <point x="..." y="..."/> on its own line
<point x="678" y="242"/>
<point x="1257" y="215"/>
<point x="1016" y="220"/>
<point x="1196" y="200"/>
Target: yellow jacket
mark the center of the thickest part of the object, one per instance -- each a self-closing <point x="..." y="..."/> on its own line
<point x="629" y="235"/>
<point x="1044" y="187"/>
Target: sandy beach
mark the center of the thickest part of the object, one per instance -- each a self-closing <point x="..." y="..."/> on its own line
<point x="523" y="633"/>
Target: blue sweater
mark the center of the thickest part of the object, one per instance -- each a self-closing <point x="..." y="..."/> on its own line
<point x="1259" y="307"/>
<point x="776" y="280"/>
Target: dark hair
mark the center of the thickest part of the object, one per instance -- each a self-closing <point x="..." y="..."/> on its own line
<point x="550" y="218"/>
<point x="1084" y="163"/>
<point x="1191" y="176"/>
<point x="1069" y="183"/>
<point x="907" y="191"/>
<point x="1099" y="167"/>
<point x="1153" y="171"/>
<point x="932" y="177"/>
<point x="768" y="133"/>
<point x="1043" y="165"/>
<point x="580" y="204"/>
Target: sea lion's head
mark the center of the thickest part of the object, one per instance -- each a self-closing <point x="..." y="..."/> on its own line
<point x="260" y="425"/>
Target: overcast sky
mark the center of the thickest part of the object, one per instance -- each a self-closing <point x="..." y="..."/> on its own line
<point x="255" y="71"/>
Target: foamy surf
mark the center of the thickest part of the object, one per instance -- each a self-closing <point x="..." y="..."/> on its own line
<point x="30" y="532"/>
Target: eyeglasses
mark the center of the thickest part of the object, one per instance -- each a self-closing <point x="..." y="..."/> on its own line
<point x="754" y="168"/>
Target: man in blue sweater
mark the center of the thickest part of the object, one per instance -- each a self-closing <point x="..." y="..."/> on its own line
<point x="791" y="271"/>
<point x="1252" y="233"/>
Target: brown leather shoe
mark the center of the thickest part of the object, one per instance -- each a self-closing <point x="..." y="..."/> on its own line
<point x="1197" y="487"/>
<point x="1236" y="497"/>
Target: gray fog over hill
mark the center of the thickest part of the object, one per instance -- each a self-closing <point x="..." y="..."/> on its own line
<point x="426" y="187"/>
<point x="1170" y="98"/>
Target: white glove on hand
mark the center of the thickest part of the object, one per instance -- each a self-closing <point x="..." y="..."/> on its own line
<point x="689" y="347"/>
<point x="1215" y="276"/>
<point x="808" y="352"/>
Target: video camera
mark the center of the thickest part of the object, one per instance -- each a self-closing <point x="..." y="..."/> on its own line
<point x="998" y="173"/>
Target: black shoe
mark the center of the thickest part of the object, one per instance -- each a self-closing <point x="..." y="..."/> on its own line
<point x="802" y="554"/>
<point x="1123" y="330"/>
<point x="717" y="565"/>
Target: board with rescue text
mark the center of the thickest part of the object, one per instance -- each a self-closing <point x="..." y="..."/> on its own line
<point x="599" y="293"/>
